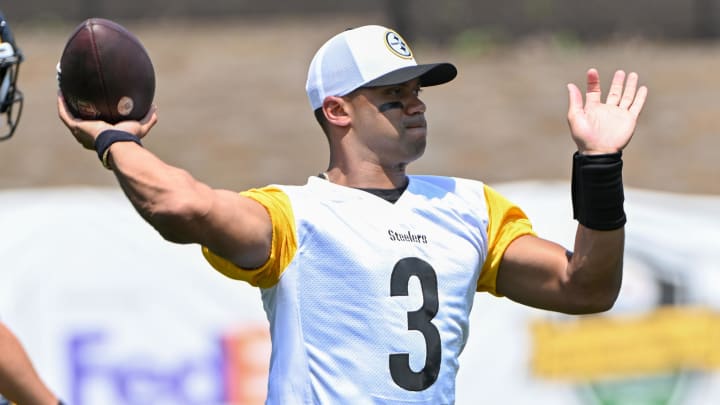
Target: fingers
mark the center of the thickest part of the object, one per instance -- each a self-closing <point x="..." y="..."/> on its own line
<point x="622" y="93"/>
<point x="147" y="125"/>
<point x="142" y="127"/>
<point x="71" y="123"/>
<point x="148" y="121"/>
<point x="63" y="113"/>
<point x="150" y="118"/>
<point x="639" y="101"/>
<point x="616" y="88"/>
<point x="630" y="90"/>
<point x="633" y="99"/>
<point x="593" y="92"/>
<point x="575" y="101"/>
<point x="85" y="131"/>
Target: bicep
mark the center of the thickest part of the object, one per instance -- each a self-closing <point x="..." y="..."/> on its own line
<point x="237" y="228"/>
<point x="533" y="271"/>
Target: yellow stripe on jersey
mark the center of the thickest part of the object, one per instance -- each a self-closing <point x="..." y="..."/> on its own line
<point x="506" y="222"/>
<point x="284" y="241"/>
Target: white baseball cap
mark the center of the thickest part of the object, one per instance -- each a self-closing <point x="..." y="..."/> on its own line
<point x="368" y="56"/>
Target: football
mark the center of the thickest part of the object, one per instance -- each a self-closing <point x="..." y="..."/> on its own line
<point x="105" y="73"/>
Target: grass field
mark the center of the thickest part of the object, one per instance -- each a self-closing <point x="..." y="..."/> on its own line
<point x="234" y="113"/>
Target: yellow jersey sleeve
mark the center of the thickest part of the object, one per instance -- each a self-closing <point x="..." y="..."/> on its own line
<point x="506" y="222"/>
<point x="284" y="241"/>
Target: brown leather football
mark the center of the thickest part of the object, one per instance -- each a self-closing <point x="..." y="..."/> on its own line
<point x="105" y="73"/>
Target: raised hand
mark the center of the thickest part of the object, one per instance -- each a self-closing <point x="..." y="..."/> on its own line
<point x="599" y="127"/>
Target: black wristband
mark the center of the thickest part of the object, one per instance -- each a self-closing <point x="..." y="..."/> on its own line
<point x="109" y="137"/>
<point x="597" y="191"/>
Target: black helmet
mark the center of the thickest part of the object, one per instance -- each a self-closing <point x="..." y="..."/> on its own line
<point x="11" y="98"/>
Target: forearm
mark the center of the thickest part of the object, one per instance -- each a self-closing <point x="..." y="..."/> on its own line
<point x="184" y="210"/>
<point x="167" y="197"/>
<point x="19" y="382"/>
<point x="595" y="270"/>
<point x="594" y="273"/>
<point x="543" y="274"/>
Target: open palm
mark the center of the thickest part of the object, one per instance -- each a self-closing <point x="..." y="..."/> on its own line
<point x="599" y="127"/>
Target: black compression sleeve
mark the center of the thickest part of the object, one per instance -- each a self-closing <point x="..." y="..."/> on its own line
<point x="597" y="191"/>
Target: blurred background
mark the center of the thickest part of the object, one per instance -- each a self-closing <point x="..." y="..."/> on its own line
<point x="154" y="325"/>
<point x="233" y="110"/>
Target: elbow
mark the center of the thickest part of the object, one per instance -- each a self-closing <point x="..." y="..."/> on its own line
<point x="594" y="289"/>
<point x="176" y="218"/>
<point x="594" y="302"/>
<point x="170" y="226"/>
<point x="594" y="307"/>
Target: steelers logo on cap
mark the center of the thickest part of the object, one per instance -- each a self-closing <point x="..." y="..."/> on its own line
<point x="397" y="45"/>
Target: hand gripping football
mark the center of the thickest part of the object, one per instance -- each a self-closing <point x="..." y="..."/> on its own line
<point x="105" y="73"/>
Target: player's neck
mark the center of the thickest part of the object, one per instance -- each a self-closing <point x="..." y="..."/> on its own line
<point x="368" y="177"/>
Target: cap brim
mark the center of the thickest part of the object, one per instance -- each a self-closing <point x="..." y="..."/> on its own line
<point x="430" y="74"/>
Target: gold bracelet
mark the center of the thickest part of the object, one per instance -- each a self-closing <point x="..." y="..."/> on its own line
<point x="106" y="159"/>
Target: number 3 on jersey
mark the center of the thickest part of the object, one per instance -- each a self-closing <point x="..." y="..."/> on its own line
<point x="419" y="320"/>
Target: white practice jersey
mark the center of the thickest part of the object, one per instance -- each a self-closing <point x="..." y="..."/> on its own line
<point x="371" y="305"/>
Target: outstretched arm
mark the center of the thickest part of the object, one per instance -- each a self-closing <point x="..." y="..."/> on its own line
<point x="545" y="275"/>
<point x="178" y="206"/>
<point x="19" y="382"/>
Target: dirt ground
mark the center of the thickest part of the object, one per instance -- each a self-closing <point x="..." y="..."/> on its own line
<point x="233" y="109"/>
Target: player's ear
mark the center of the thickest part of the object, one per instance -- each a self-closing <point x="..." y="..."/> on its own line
<point x="335" y="111"/>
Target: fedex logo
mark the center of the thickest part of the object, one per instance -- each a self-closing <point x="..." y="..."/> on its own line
<point x="232" y="369"/>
